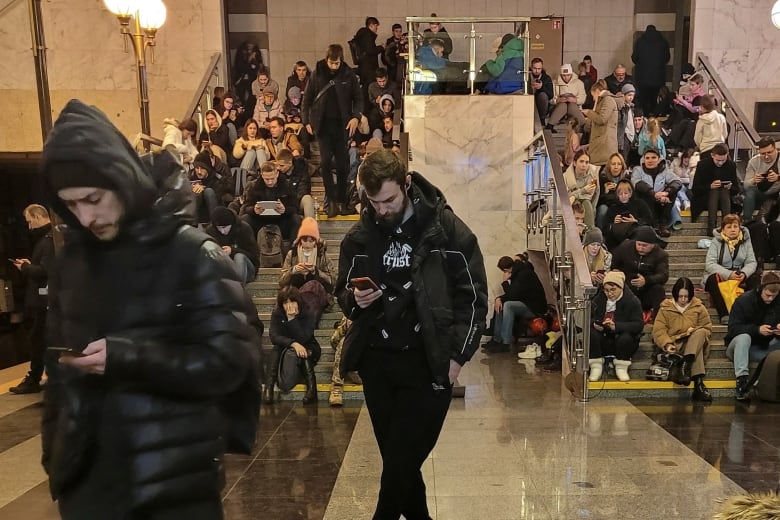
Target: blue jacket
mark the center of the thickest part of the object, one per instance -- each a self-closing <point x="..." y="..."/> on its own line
<point x="510" y="80"/>
<point x="664" y="180"/>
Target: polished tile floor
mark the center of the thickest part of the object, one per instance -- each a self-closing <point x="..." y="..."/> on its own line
<point x="515" y="448"/>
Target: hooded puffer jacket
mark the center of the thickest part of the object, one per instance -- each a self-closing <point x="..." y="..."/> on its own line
<point x="711" y="129"/>
<point x="150" y="432"/>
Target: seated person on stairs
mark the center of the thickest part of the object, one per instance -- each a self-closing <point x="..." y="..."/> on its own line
<point x="625" y="215"/>
<point x="236" y="239"/>
<point x="250" y="148"/>
<point x="292" y="326"/>
<point x="646" y="267"/>
<point x="596" y="255"/>
<point x="683" y="327"/>
<point x="271" y="187"/>
<point x="506" y="71"/>
<point x="524" y="298"/>
<point x="280" y="139"/>
<point x="616" y="324"/>
<point x="294" y="170"/>
<point x="754" y="329"/>
<point x="729" y="257"/>
<point x="714" y="183"/>
<point x="658" y="187"/>
<point x="570" y="95"/>
<point x="761" y="181"/>
<point x="308" y="268"/>
<point x="211" y="184"/>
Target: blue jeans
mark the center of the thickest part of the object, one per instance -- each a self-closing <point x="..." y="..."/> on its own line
<point x="253" y="159"/>
<point x="205" y="203"/>
<point x="742" y="351"/>
<point x="505" y="320"/>
<point x="601" y="216"/>
<point x="246" y="269"/>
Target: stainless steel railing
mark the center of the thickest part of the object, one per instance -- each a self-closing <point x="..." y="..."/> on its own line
<point x="550" y="215"/>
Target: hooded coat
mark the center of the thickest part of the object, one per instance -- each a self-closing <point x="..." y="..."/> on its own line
<point x="369" y="55"/>
<point x="651" y="54"/>
<point x="240" y="239"/>
<point x="711" y="129"/>
<point x="603" y="121"/>
<point x="671" y="325"/>
<point x="448" y="275"/>
<point x="148" y="434"/>
<point x="36" y="272"/>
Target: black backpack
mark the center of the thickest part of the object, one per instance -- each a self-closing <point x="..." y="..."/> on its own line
<point x="356" y="51"/>
<point x="269" y="238"/>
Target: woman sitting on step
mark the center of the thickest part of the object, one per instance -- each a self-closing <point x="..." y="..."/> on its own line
<point x="683" y="327"/>
<point x="730" y="257"/>
<point x="627" y="213"/>
<point x="292" y="326"/>
<point x="308" y="268"/>
<point x="616" y="326"/>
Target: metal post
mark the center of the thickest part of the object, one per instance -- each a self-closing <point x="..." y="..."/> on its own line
<point x="472" y="57"/>
<point x="139" y="48"/>
<point x="41" y="70"/>
<point x="737" y="128"/>
<point x="583" y="360"/>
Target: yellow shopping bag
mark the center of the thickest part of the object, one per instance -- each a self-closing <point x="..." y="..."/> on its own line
<point x="730" y="291"/>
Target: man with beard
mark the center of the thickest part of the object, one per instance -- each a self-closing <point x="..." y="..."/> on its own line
<point x="35" y="271"/>
<point x="412" y="280"/>
<point x="332" y="108"/>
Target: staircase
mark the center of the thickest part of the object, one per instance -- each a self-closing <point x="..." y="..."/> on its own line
<point x="266" y="285"/>
<point x="685" y="259"/>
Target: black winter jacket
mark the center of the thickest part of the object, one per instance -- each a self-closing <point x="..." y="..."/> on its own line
<point x="525" y="286"/>
<point x="653" y="266"/>
<point x="707" y="172"/>
<point x="628" y="312"/>
<point x="174" y="317"/>
<point x="748" y="313"/>
<point x="347" y="89"/>
<point x="241" y="239"/>
<point x="651" y="54"/>
<point x="365" y="39"/>
<point x="299" y="179"/>
<point x="284" y="332"/>
<point x="36" y="273"/>
<point x="448" y="274"/>
<point x="258" y="191"/>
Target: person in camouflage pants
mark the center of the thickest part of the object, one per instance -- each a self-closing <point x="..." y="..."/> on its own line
<point x="337" y="382"/>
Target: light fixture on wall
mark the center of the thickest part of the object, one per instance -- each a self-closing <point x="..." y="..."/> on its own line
<point x="147" y="16"/>
<point x="776" y="14"/>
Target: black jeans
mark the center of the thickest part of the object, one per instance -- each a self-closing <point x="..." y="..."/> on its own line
<point x="407" y="414"/>
<point x="622" y="346"/>
<point x="650" y="296"/>
<point x="332" y="137"/>
<point x="37" y="337"/>
<point x="719" y="198"/>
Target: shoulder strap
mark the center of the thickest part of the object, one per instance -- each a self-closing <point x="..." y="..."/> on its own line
<point x="322" y="92"/>
<point x="722" y="252"/>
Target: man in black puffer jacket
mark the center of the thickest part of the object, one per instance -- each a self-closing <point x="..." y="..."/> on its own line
<point x="162" y="374"/>
<point x="410" y="336"/>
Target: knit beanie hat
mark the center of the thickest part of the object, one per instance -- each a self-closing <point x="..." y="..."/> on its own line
<point x="203" y="160"/>
<point x="645" y="234"/>
<point x="76" y="174"/>
<point x="294" y="93"/>
<point x="309" y="228"/>
<point x="616" y="278"/>
<point x="593" y="236"/>
<point x="223" y="216"/>
<point x="770" y="277"/>
<point x="627" y="88"/>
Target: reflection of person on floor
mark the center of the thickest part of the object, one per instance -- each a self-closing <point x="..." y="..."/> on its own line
<point x="412" y="333"/>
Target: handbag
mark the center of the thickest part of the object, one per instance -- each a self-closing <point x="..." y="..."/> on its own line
<point x="729" y="291"/>
<point x="289" y="370"/>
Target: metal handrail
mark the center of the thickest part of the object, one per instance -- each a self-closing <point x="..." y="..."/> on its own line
<point x="202" y="89"/>
<point x="741" y="122"/>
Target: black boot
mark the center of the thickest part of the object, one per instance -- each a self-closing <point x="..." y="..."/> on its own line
<point x="700" y="392"/>
<point x="684" y="375"/>
<point x="332" y="209"/>
<point x="311" y="382"/>
<point x="268" y="391"/>
<point x="742" y="392"/>
<point x="31" y="384"/>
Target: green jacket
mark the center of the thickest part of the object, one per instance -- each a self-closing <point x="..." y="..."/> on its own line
<point x="512" y="49"/>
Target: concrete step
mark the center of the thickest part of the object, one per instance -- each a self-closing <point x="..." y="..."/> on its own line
<point x="717" y="369"/>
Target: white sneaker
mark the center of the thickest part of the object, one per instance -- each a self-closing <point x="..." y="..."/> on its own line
<point x="532" y="351"/>
<point x="687" y="205"/>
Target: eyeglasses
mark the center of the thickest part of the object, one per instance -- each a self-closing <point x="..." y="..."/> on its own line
<point x="308" y="239"/>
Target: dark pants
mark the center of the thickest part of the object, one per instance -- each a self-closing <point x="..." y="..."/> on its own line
<point x="622" y="346"/>
<point x="542" y="105"/>
<point x="272" y="361"/>
<point x="332" y="137"/>
<point x="407" y="414"/>
<point x="662" y="213"/>
<point x="648" y="97"/>
<point x="650" y="296"/>
<point x="37" y="337"/>
<point x="719" y="198"/>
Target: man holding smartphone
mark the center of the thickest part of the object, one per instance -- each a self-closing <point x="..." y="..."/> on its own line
<point x="409" y="338"/>
<point x="714" y="183"/>
<point x="138" y="425"/>
<point x="36" y="273"/>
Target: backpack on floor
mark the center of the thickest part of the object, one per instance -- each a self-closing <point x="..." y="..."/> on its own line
<point x="768" y="385"/>
<point x="269" y="239"/>
<point x="662" y="366"/>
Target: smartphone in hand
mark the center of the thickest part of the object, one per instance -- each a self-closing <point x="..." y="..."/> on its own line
<point x="67" y="351"/>
<point x="363" y="283"/>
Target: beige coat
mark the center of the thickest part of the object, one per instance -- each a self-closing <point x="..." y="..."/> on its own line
<point x="602" y="122"/>
<point x="577" y="186"/>
<point x="671" y="326"/>
<point x="574" y="86"/>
